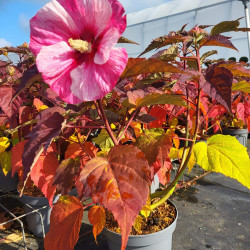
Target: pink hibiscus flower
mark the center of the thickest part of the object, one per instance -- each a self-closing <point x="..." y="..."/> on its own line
<point x="74" y="41"/>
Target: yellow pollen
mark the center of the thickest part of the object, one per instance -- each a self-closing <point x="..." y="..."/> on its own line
<point x="80" y="45"/>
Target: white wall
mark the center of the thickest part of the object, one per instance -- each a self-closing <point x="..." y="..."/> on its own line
<point x="144" y="26"/>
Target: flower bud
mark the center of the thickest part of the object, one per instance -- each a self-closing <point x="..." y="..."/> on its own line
<point x="196" y="31"/>
<point x="10" y="70"/>
<point x="25" y="45"/>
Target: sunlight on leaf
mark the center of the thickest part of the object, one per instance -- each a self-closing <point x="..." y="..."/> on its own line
<point x="12" y="238"/>
<point x="4" y="144"/>
<point x="146" y="210"/>
<point x="104" y="141"/>
<point x="138" y="223"/>
<point x="241" y="86"/>
<point x="4" y="218"/>
<point x="65" y="223"/>
<point x="5" y="161"/>
<point x="225" y="26"/>
<point x="97" y="218"/>
<point x="224" y="154"/>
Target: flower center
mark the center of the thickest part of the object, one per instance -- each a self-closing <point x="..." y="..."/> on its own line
<point x="80" y="45"/>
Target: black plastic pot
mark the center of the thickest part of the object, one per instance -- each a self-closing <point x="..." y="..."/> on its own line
<point x="7" y="183"/>
<point x="157" y="241"/>
<point x="34" y="220"/>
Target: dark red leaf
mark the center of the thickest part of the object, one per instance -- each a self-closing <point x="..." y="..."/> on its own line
<point x="49" y="125"/>
<point x="65" y="224"/>
<point x="6" y="93"/>
<point x="160" y="115"/>
<point x="120" y="183"/>
<point x="26" y="113"/>
<point x="217" y="40"/>
<point x="43" y="172"/>
<point x="218" y="85"/>
<point x="66" y="174"/>
<point x="156" y="144"/>
<point x="137" y="66"/>
<point x="52" y="96"/>
<point x="87" y="149"/>
<point x="217" y="111"/>
<point x="30" y="76"/>
<point x="16" y="158"/>
<point x="10" y="109"/>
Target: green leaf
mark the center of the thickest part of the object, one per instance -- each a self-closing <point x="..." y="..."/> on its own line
<point x="237" y="69"/>
<point x="148" y="143"/>
<point x="156" y="144"/>
<point x="156" y="43"/>
<point x="125" y="40"/>
<point x="218" y="84"/>
<point x="4" y="144"/>
<point x="152" y="78"/>
<point x="104" y="141"/>
<point x="241" y="86"/>
<point x="207" y="54"/>
<point x="224" y="154"/>
<point x="225" y="26"/>
<point x="156" y="98"/>
<point x="167" y="54"/>
<point x="192" y="64"/>
<point x="5" y="161"/>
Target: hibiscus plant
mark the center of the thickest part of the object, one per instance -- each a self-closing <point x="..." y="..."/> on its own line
<point x="77" y="112"/>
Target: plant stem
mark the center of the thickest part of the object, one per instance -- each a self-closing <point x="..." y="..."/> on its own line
<point x="136" y="112"/>
<point x="105" y="120"/>
<point x="91" y="127"/>
<point x="183" y="139"/>
<point x="165" y="193"/>
<point x="185" y="184"/>
<point x="170" y="189"/>
<point x="81" y="145"/>
<point x="123" y="123"/>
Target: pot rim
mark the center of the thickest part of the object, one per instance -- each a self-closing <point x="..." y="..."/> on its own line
<point x="172" y="225"/>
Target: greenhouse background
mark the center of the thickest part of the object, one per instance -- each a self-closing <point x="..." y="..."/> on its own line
<point x="150" y="23"/>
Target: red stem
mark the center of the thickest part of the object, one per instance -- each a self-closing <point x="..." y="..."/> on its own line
<point x="86" y="118"/>
<point x="123" y="123"/>
<point x="184" y="139"/>
<point x="136" y="112"/>
<point x="105" y="120"/>
<point x="81" y="145"/>
<point x="90" y="204"/>
<point x="91" y="127"/>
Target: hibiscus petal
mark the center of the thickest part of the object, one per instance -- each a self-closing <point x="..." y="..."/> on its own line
<point x="109" y="40"/>
<point x="55" y="62"/>
<point x="91" y="81"/>
<point x="117" y="20"/>
<point x="51" y="25"/>
<point x="98" y="14"/>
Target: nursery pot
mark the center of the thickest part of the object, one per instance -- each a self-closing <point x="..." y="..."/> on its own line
<point x="34" y="219"/>
<point x="240" y="134"/>
<point x="7" y="183"/>
<point x="161" y="240"/>
<point x="155" y="184"/>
